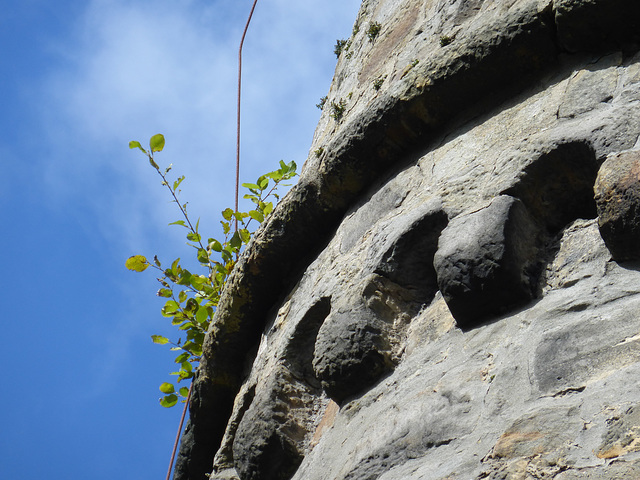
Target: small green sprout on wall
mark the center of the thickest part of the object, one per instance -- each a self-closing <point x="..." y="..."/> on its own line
<point x="445" y="40"/>
<point x="340" y="44"/>
<point x="373" y="31"/>
<point x="322" y="103"/>
<point x="377" y="83"/>
<point x="338" y="109"/>
<point x="192" y="298"/>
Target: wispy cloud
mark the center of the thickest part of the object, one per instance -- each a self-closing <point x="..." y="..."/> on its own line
<point x="133" y="69"/>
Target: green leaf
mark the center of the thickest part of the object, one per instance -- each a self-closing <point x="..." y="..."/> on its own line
<point x="256" y="215"/>
<point x="181" y="358"/>
<point x="187" y="367"/>
<point x="245" y="235"/>
<point x="263" y="182"/>
<point x="185" y="278"/>
<point x="164" y="292"/>
<point x="276" y="176"/>
<point x="184" y="391"/>
<point x="137" y="263"/>
<point x="134" y="144"/>
<point x="170" y="308"/>
<point x="167" y="388"/>
<point x="177" y="183"/>
<point x="192" y="306"/>
<point x="196" y="347"/>
<point x="202" y="315"/>
<point x="160" y="340"/>
<point x="227" y="214"/>
<point x="215" y="245"/>
<point x="194" y="237"/>
<point x="235" y="241"/>
<point x="203" y="256"/>
<point x="156" y="143"/>
<point x="169" y="400"/>
<point x="251" y="186"/>
<point x="197" y="281"/>
<point x="182" y="296"/>
<point x="179" y="222"/>
<point x="226" y="255"/>
<point x="175" y="266"/>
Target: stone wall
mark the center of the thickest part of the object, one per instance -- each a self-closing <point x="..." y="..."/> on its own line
<point x="434" y="298"/>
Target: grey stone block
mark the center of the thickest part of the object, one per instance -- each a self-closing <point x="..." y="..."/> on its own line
<point x="617" y="195"/>
<point x="486" y="259"/>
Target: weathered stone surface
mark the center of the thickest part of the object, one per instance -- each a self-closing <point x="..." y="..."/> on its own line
<point x="617" y="195"/>
<point x="488" y="403"/>
<point x="360" y="341"/>
<point x="487" y="261"/>
<point x="622" y="436"/>
<point x="409" y="261"/>
<point x="352" y="351"/>
<point x="268" y="442"/>
<point x="525" y="98"/>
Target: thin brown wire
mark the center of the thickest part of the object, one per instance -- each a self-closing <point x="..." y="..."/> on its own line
<point x="239" y="90"/>
<point x="175" y="444"/>
<point x="244" y="33"/>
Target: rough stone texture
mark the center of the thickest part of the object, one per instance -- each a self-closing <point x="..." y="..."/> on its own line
<point x="334" y="354"/>
<point x="617" y="194"/>
<point x="487" y="261"/>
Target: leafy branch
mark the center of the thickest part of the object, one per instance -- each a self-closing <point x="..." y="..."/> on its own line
<point x="192" y="298"/>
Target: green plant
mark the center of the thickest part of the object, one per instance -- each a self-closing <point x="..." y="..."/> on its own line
<point x="322" y="103"/>
<point x="445" y="40"/>
<point x="319" y="152"/>
<point x="338" y="109"/>
<point x="373" y="31"/>
<point x="340" y="44"/>
<point x="193" y="297"/>
<point x="377" y="83"/>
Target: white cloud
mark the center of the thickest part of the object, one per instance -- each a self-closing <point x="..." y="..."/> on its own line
<point x="135" y="68"/>
<point x="138" y="68"/>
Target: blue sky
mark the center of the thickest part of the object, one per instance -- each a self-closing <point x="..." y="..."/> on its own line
<point x="79" y="80"/>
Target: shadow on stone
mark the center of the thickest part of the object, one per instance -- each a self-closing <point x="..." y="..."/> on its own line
<point x="557" y="187"/>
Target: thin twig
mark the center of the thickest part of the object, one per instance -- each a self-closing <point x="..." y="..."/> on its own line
<point x="246" y="27"/>
<point x="175" y="444"/>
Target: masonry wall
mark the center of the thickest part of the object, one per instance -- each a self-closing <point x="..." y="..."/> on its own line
<point x="451" y="289"/>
